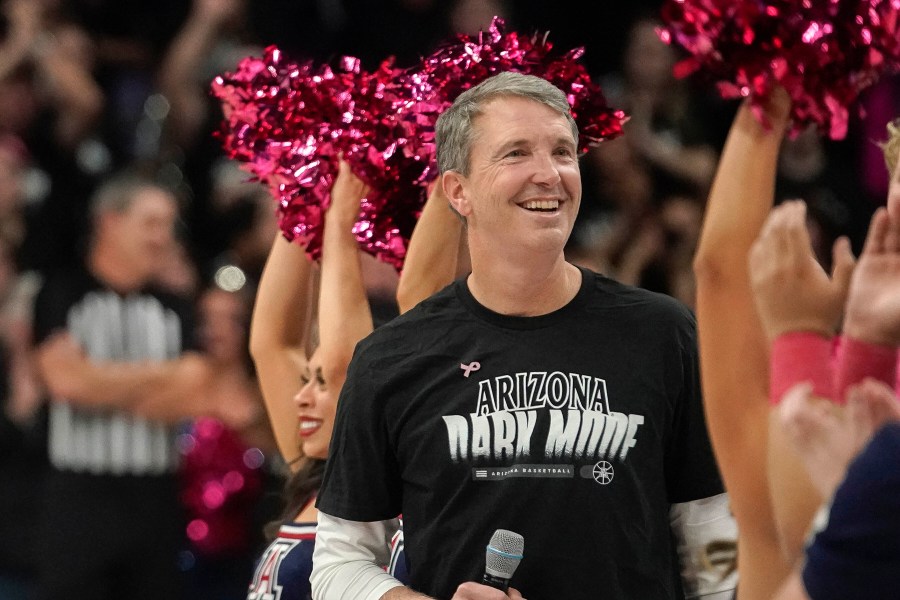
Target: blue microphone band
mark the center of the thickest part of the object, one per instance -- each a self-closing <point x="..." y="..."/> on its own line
<point x="504" y="554"/>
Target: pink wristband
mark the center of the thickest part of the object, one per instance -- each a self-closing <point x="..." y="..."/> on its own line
<point x="858" y="360"/>
<point x="799" y="356"/>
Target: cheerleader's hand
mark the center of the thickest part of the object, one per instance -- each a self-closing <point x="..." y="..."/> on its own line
<point x="346" y="193"/>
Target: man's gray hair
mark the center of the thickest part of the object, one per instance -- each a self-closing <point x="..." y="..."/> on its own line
<point x="118" y="192"/>
<point x="454" y="133"/>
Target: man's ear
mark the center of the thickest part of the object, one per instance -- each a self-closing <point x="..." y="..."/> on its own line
<point x="454" y="188"/>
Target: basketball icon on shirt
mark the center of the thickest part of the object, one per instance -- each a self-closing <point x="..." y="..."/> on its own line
<point x="603" y="472"/>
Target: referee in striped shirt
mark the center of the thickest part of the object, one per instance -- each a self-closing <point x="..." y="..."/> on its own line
<point x="118" y="360"/>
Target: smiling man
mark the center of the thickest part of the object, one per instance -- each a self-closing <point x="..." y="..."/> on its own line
<point x="531" y="395"/>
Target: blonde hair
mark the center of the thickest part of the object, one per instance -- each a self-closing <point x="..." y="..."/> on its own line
<point x="891" y="146"/>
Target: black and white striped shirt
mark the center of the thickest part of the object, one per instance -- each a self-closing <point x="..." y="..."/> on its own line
<point x="110" y="327"/>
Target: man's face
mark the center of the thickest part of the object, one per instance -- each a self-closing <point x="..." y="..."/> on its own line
<point x="524" y="185"/>
<point x="144" y="232"/>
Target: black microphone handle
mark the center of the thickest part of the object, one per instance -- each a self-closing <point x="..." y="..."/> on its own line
<point x="500" y="583"/>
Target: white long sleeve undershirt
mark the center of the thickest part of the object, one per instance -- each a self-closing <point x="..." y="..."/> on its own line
<point x="349" y="559"/>
<point x="695" y="524"/>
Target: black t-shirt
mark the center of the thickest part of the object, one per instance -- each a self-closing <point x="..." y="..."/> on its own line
<point x="576" y="429"/>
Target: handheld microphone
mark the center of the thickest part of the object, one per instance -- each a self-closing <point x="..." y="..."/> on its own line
<point x="503" y="555"/>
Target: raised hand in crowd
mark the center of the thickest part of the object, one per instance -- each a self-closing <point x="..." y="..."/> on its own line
<point x="23" y="19"/>
<point x="827" y="435"/>
<point x="62" y="54"/>
<point x="180" y="75"/>
<point x="873" y="305"/>
<point x="792" y="291"/>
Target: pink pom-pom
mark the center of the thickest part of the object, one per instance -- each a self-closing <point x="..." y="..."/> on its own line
<point x="276" y="115"/>
<point x="466" y="61"/>
<point x="823" y="52"/>
<point x="218" y="488"/>
<point x="286" y="122"/>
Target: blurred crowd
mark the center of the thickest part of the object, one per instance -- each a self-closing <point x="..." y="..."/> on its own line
<point x="91" y="87"/>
